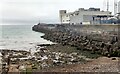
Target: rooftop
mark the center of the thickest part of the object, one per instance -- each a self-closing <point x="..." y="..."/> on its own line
<point x="90" y="9"/>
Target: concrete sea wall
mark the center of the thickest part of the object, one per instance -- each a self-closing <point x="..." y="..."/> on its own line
<point x="100" y="39"/>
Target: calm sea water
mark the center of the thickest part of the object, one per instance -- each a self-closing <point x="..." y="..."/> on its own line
<point x="20" y="37"/>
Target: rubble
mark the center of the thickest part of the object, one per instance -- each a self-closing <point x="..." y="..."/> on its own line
<point x="57" y="58"/>
<point x="98" y="38"/>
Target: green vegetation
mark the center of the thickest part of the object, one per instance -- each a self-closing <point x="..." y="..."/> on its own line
<point x="89" y="54"/>
<point x="29" y="71"/>
<point x="62" y="49"/>
<point x="69" y="49"/>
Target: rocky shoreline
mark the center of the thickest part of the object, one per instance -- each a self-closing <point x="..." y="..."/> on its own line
<point x="43" y="59"/>
<point x="100" y="42"/>
<point x="98" y="39"/>
<point x="77" y="49"/>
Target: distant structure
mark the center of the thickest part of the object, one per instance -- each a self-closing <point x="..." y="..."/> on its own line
<point x="84" y="16"/>
<point x="64" y="16"/>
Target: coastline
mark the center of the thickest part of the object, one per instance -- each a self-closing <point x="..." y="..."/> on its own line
<point x="100" y="39"/>
<point x="20" y="37"/>
<point x="62" y="36"/>
<point x="76" y="50"/>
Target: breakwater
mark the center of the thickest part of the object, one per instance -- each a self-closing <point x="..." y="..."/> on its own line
<point x="100" y="39"/>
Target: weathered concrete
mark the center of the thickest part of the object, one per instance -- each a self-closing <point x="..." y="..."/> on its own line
<point x="101" y="39"/>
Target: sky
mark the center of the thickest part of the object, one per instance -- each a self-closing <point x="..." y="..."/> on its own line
<point x="29" y="12"/>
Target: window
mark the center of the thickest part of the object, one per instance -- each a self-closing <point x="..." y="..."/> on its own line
<point x="67" y="20"/>
<point x="77" y="14"/>
<point x="71" y="15"/>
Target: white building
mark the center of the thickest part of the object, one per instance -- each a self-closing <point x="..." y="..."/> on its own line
<point x="84" y="16"/>
<point x="64" y="17"/>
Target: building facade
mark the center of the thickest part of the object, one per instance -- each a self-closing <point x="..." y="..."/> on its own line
<point x="64" y="16"/>
<point x="84" y="16"/>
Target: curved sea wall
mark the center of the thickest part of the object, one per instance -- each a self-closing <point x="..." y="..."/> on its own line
<point x="100" y="39"/>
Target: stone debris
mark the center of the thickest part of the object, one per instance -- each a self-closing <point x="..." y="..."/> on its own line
<point x="98" y="39"/>
<point x="42" y="59"/>
<point x="58" y="58"/>
<point x="102" y="64"/>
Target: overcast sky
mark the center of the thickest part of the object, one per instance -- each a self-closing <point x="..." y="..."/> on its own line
<point x="47" y="11"/>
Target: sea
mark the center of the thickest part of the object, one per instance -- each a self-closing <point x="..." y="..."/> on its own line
<point x="20" y="37"/>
